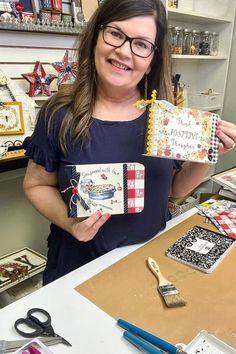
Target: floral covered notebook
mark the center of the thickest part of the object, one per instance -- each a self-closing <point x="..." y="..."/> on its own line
<point x="112" y="188"/>
<point x="181" y="133"/>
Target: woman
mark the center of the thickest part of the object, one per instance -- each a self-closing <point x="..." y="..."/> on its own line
<point x="123" y="55"/>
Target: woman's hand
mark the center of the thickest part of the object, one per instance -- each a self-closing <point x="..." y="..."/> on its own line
<point x="86" y="230"/>
<point x="226" y="132"/>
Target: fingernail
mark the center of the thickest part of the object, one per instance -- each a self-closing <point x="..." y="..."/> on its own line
<point x="98" y="213"/>
<point x="107" y="215"/>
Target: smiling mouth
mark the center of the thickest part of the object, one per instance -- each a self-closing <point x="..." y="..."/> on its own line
<point x="119" y="65"/>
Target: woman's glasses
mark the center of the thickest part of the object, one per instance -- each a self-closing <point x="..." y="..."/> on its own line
<point x="116" y="38"/>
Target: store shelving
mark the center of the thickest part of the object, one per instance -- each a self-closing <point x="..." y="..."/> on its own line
<point x="203" y="72"/>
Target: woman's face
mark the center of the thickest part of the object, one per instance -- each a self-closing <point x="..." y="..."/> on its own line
<point x="119" y="68"/>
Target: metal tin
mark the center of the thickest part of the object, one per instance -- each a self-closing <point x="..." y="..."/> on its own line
<point x="45" y="16"/>
<point x="56" y="18"/>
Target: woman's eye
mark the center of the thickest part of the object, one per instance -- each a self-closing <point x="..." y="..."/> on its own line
<point x="116" y="34"/>
<point x="141" y="44"/>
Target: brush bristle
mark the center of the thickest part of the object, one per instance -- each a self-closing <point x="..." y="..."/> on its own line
<point x="171" y="296"/>
<point x="174" y="300"/>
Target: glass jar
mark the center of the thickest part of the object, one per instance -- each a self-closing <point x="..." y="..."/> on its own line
<point x="173" y="4"/>
<point x="170" y="34"/>
<point x="195" y="44"/>
<point x="177" y="40"/>
<point x="204" y="46"/>
<point x="187" y="40"/>
<point x="214" y="43"/>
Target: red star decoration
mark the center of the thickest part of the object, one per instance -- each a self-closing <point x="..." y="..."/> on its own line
<point x="67" y="69"/>
<point x="39" y="80"/>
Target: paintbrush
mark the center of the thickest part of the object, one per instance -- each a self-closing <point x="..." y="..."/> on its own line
<point x="168" y="291"/>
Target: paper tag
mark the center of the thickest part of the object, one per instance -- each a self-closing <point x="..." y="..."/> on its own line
<point x="201" y="246"/>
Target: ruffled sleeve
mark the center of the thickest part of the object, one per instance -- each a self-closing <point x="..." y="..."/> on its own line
<point x="40" y="157"/>
<point x="43" y="146"/>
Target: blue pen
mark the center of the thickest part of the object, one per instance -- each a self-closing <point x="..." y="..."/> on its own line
<point x="160" y="343"/>
<point x="140" y="344"/>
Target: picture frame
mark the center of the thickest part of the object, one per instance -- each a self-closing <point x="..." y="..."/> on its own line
<point x="226" y="179"/>
<point x="11" y="118"/>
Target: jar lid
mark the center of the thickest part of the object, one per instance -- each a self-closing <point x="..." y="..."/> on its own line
<point x="205" y="32"/>
<point x="196" y="31"/>
<point x="187" y="30"/>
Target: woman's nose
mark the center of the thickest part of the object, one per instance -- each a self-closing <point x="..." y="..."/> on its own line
<point x="125" y="50"/>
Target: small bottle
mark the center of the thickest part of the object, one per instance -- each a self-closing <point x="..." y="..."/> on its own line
<point x="187" y="40"/>
<point x="204" y="47"/>
<point x="214" y="43"/>
<point x="195" y="44"/>
<point x="177" y="40"/>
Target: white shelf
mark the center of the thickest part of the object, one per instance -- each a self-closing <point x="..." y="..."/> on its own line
<point x="41" y="98"/>
<point x="199" y="57"/>
<point x="186" y="16"/>
<point x="199" y="73"/>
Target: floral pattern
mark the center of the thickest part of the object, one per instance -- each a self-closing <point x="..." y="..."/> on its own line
<point x="180" y="133"/>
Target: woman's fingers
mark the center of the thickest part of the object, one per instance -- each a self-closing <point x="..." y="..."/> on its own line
<point x="87" y="229"/>
<point x="100" y="221"/>
<point x="226" y="132"/>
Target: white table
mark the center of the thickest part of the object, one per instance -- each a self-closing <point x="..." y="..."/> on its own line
<point x="84" y="325"/>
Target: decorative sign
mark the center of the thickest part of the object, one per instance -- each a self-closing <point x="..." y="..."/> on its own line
<point x="11" y="118"/>
<point x="39" y="80"/>
<point x="66" y="69"/>
<point x="17" y="266"/>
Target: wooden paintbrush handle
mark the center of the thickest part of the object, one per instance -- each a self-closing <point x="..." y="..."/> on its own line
<point x="156" y="271"/>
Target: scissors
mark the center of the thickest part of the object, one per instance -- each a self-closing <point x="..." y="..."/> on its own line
<point x="39" y="327"/>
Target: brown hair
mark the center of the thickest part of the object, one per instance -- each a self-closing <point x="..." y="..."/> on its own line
<point x="80" y="96"/>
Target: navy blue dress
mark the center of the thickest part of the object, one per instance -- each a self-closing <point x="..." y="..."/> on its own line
<point x="111" y="142"/>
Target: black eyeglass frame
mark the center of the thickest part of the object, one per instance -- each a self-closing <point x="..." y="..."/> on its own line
<point x="129" y="39"/>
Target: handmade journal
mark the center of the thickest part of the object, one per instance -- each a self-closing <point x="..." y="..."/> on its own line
<point x="201" y="248"/>
<point x="222" y="213"/>
<point x="113" y="188"/>
<point x="180" y="133"/>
